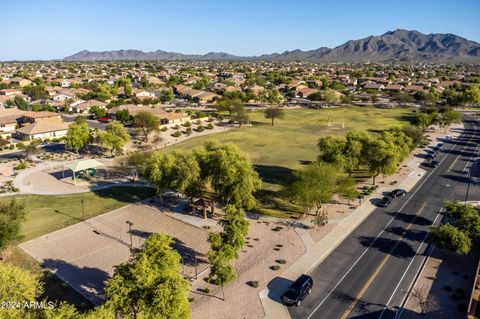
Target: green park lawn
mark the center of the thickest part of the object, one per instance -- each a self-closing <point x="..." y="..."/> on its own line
<point x="47" y="213"/>
<point x="277" y="151"/>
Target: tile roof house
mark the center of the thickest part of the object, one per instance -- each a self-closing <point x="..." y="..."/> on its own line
<point x="41" y="125"/>
<point x="84" y="106"/>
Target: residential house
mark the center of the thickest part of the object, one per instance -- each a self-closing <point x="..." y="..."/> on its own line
<point x="84" y="106"/>
<point x="143" y="93"/>
<point x="8" y="124"/>
<point x="40" y="125"/>
<point x="166" y="118"/>
<point x="374" y="86"/>
<point x="20" y="81"/>
<point x="394" y="87"/>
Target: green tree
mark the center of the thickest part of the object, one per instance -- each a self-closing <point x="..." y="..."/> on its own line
<point x="158" y="170"/>
<point x="231" y="174"/>
<point x="424" y="120"/>
<point x="29" y="148"/>
<point x="21" y="103"/>
<point x="332" y="150"/>
<point x="78" y="135"/>
<point x="166" y="95"/>
<point x="11" y="215"/>
<point x="150" y="284"/>
<point x="147" y="122"/>
<point x="449" y="117"/>
<point x="226" y="245"/>
<point x="331" y="96"/>
<point x="186" y="175"/>
<point x="228" y="105"/>
<point x="123" y="116"/>
<point x="240" y="114"/>
<point x="97" y="112"/>
<point x="450" y="238"/>
<point x="472" y="95"/>
<point x="316" y="185"/>
<point x="274" y="113"/>
<point x="17" y="285"/>
<point x="114" y="138"/>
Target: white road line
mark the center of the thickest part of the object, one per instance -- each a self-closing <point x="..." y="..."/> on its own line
<point x="366" y="249"/>
<point x="428" y="254"/>
<point x="373" y="242"/>
<point x="408" y="267"/>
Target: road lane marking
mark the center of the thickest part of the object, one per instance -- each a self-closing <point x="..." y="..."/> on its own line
<point x="380" y="266"/>
<point x="365" y="287"/>
<point x="408" y="267"/>
<point x="381" y="232"/>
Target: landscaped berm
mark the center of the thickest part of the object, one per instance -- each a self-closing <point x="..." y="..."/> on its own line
<point x="292" y="142"/>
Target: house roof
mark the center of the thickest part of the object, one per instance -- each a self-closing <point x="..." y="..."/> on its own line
<point x="42" y="127"/>
<point x="8" y="119"/>
<point x="41" y="114"/>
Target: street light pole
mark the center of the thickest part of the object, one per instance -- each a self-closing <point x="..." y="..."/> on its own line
<point x="130" y="231"/>
<point x="83" y="210"/>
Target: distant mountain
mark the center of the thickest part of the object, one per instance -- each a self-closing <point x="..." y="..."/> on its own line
<point x="399" y="45"/>
<point x="138" y="55"/>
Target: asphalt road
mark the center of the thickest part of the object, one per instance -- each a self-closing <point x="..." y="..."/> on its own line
<point x="372" y="269"/>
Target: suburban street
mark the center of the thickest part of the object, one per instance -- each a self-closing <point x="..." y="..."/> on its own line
<point x="370" y="272"/>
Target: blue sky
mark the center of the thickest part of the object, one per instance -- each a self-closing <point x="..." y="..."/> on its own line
<point x="54" y="29"/>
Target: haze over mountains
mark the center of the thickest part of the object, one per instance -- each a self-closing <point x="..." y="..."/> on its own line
<point x="399" y="45"/>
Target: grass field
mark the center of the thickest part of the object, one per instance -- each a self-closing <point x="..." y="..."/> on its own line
<point x="46" y="213"/>
<point x="277" y="151"/>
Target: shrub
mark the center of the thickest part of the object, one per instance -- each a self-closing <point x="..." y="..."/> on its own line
<point x="187" y="124"/>
<point x="281" y="261"/>
<point x="275" y="267"/>
<point x="209" y="126"/>
<point x="279" y="245"/>
<point x="164" y="129"/>
<point x="21" y="166"/>
<point x="177" y="134"/>
<point x="200" y="128"/>
<point x="253" y="283"/>
<point x="188" y="131"/>
<point x="204" y="290"/>
<point x="278" y="228"/>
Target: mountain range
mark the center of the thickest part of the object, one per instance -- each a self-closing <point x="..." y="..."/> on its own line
<point x="393" y="46"/>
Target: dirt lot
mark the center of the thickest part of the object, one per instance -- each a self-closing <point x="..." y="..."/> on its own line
<point x="84" y="255"/>
<point x="264" y="247"/>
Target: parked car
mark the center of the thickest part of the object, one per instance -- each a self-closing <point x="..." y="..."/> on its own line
<point x="397" y="193"/>
<point x="105" y="119"/>
<point x="433" y="164"/>
<point x="440" y="146"/>
<point x="298" y="291"/>
<point x="385" y="201"/>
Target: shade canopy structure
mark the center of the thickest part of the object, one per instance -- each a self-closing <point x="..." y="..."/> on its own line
<point x="82" y="166"/>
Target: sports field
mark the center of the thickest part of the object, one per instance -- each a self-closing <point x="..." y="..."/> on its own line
<point x="277" y="151"/>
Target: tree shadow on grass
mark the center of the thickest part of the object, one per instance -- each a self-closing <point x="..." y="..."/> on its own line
<point x="268" y="199"/>
<point x="274" y="174"/>
<point x="88" y="281"/>
<point x="126" y="194"/>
